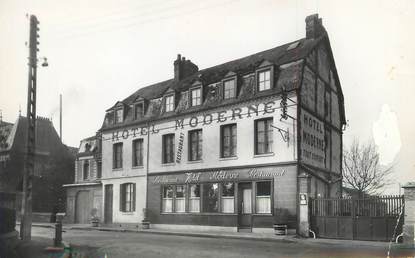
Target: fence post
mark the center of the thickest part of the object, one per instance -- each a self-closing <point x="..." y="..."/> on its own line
<point x="409" y="217"/>
<point x="304" y="181"/>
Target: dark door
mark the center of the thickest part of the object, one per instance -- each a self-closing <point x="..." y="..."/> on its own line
<point x="108" y="204"/>
<point x="82" y="207"/>
<point x="245" y="206"/>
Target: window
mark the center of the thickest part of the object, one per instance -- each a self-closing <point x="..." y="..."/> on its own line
<point x="263" y="136"/>
<point x="195" y="145"/>
<point x="228" y="197"/>
<point x="127" y="194"/>
<point x="194" y="198"/>
<point x="138" y="152"/>
<point x="180" y="199"/>
<point x="99" y="169"/>
<point x="86" y="169"/>
<point x="229" y="89"/>
<point x="263" y="197"/>
<point x="169" y="105"/>
<point x="210" y="197"/>
<point x="138" y="111"/>
<point x="228" y="140"/>
<point x="167" y="204"/>
<point x="196" y="98"/>
<point x="264" y="80"/>
<point x="119" y="116"/>
<point x="117" y="155"/>
<point x="168" y="148"/>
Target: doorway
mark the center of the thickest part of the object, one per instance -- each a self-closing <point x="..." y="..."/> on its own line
<point x="108" y="204"/>
<point x="83" y="206"/>
<point x="245" y="206"/>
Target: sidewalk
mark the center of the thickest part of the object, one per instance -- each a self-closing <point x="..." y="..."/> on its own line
<point x="211" y="234"/>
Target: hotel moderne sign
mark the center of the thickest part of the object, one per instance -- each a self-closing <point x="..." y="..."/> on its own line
<point x="205" y="119"/>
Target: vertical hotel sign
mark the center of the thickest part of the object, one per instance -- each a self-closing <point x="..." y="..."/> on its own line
<point x="312" y="140"/>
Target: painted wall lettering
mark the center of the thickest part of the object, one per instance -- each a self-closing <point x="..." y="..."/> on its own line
<point x="312" y="140"/>
<point x="180" y="148"/>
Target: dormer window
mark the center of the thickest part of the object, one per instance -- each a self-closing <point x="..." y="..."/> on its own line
<point x="169" y="103"/>
<point x="229" y="89"/>
<point x="195" y="97"/>
<point x="264" y="80"/>
<point x="119" y="116"/>
<point x="138" y="111"/>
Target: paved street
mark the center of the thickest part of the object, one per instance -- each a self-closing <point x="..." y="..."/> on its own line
<point x="93" y="244"/>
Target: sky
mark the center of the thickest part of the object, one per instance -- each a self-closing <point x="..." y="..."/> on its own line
<point x="101" y="51"/>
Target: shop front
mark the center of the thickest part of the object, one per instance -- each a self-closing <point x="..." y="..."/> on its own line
<point x="228" y="199"/>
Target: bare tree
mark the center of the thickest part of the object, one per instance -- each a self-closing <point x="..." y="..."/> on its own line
<point x="362" y="171"/>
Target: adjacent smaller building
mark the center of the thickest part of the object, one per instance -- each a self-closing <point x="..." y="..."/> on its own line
<point x="84" y="196"/>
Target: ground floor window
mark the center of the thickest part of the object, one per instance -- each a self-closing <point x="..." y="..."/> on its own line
<point x="214" y="197"/>
<point x="127" y="197"/>
<point x="194" y="198"/>
<point x="210" y="195"/>
<point x="167" y="205"/>
<point x="228" y="197"/>
<point x="263" y="197"/>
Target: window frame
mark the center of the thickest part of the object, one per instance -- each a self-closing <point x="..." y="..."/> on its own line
<point x="114" y="156"/>
<point x="129" y="189"/>
<point x="86" y="174"/>
<point x="142" y="110"/>
<point x="234" y="87"/>
<point x="134" y="161"/>
<point x="163" y="150"/>
<point x="116" y="110"/>
<point x="222" y="140"/>
<point x="172" y="104"/>
<point x="270" y="196"/>
<point x="199" y="145"/>
<point x="269" y="69"/>
<point x="265" y="136"/>
<point x="191" y="90"/>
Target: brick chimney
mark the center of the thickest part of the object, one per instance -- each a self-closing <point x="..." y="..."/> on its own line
<point x="183" y="68"/>
<point x="314" y="27"/>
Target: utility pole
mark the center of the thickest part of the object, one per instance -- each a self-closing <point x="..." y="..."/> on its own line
<point x="26" y="221"/>
<point x="60" y="116"/>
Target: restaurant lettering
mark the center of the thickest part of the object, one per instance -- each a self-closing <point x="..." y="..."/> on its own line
<point x="205" y="119"/>
<point x="220" y="175"/>
<point x="180" y="148"/>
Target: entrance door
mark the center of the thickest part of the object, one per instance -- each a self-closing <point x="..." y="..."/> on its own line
<point x="108" y="204"/>
<point x="245" y="206"/>
<point x="82" y="207"/>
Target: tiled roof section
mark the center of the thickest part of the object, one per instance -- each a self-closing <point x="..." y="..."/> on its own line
<point x="287" y="73"/>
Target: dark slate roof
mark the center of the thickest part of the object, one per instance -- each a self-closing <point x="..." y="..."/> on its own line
<point x="288" y="78"/>
<point x="5" y="131"/>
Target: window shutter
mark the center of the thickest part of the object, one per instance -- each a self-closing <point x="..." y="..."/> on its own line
<point x="121" y="197"/>
<point x="134" y="194"/>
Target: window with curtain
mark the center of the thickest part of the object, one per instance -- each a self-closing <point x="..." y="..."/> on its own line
<point x="229" y="89"/>
<point x="264" y="80"/>
<point x="169" y="104"/>
<point x="127" y="193"/>
<point x="86" y="169"/>
<point x="137" y="152"/>
<point x="263" y="197"/>
<point x="117" y="155"/>
<point x="196" y="98"/>
<point x="119" y="116"/>
<point x="228" y="197"/>
<point x="263" y="136"/>
<point x="195" y="145"/>
<point x="167" y="202"/>
<point x="194" y="198"/>
<point x="228" y="140"/>
<point x="210" y="197"/>
<point x="168" y="148"/>
<point x="180" y="199"/>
